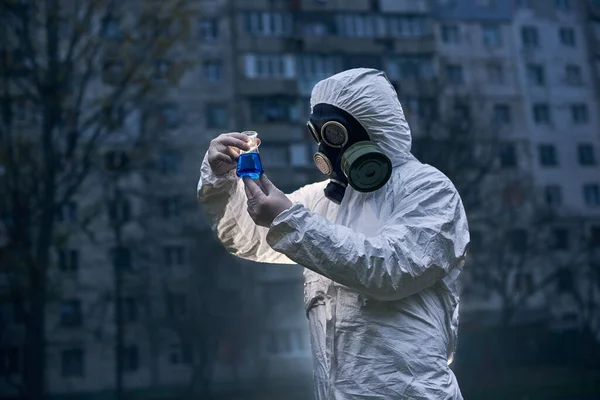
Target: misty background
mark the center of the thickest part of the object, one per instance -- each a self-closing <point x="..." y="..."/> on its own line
<point x="112" y="285"/>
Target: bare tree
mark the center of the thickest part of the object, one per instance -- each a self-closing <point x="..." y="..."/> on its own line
<point x="67" y="68"/>
<point x="461" y="133"/>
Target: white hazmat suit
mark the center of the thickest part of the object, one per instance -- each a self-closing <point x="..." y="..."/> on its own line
<point x="381" y="268"/>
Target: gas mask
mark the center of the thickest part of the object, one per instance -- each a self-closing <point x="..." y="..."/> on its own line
<point x="346" y="153"/>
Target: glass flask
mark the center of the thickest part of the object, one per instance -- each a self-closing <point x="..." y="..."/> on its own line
<point x="249" y="163"/>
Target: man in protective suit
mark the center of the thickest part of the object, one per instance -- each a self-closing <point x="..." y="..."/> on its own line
<point x="382" y="242"/>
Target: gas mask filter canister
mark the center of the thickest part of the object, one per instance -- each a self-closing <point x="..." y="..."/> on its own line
<point x="346" y="153"/>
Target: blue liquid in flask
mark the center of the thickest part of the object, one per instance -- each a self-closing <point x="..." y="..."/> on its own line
<point x="249" y="165"/>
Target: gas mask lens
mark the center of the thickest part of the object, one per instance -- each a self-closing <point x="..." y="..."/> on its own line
<point x="334" y="134"/>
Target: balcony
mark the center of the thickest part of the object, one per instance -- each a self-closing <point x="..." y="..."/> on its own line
<point x="404" y="6"/>
<point x="279" y="132"/>
<point x="261" y="87"/>
<point x="594" y="9"/>
<point x="264" y="44"/>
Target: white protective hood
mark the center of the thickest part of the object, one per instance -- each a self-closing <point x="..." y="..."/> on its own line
<point x="381" y="115"/>
<point x="381" y="268"/>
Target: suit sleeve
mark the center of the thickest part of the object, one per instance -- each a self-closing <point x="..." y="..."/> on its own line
<point x="223" y="201"/>
<point x="423" y="241"/>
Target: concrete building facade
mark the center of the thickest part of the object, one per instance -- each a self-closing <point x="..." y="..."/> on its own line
<point x="255" y="63"/>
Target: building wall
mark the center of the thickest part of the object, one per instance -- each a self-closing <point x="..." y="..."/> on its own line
<point x="311" y="40"/>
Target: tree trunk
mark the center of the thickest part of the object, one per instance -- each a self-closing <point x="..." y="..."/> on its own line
<point x="35" y="349"/>
<point x="119" y="333"/>
<point x="118" y="282"/>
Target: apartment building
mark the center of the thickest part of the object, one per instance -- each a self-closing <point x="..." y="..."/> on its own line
<point x="529" y="64"/>
<point x="255" y="63"/>
<point x="592" y="8"/>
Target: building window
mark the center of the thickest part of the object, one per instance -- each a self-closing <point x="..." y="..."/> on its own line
<point x="586" y="154"/>
<point x="130" y="360"/>
<point x="564" y="280"/>
<point x="217" y="116"/>
<point x="359" y="25"/>
<point x="170" y="207"/>
<point x="208" y="29"/>
<point x="279" y="342"/>
<point x="410" y="67"/>
<point x="472" y="199"/>
<point x="115" y="160"/>
<point x="563" y="5"/>
<point x="176" y="305"/>
<point x="67" y="212"/>
<point x="68" y="260"/>
<point x="567" y="36"/>
<point x="573" y="75"/>
<point x="9" y="361"/>
<point x="462" y="115"/>
<point x="174" y="255"/>
<point x="70" y="313"/>
<point x="168" y="116"/>
<point x="316" y="66"/>
<point x="72" y="364"/>
<point x="535" y="75"/>
<point x="160" y="28"/>
<point x="263" y="23"/>
<point x="517" y="240"/>
<point x="495" y="73"/>
<point x="450" y="34"/>
<point x="316" y="28"/>
<point x="23" y="110"/>
<point x="476" y="242"/>
<point x="513" y="196"/>
<point x="524" y="282"/>
<point x="547" y="155"/>
<point x="403" y="26"/>
<point x="455" y="74"/>
<point x="114" y="116"/>
<point x="129" y="309"/>
<point x="579" y="113"/>
<point x="121" y="258"/>
<point x="418" y="107"/>
<point x="275" y="154"/>
<point x="530" y="37"/>
<point x="111" y="27"/>
<point x="508" y="155"/>
<point x="591" y="194"/>
<point x="169" y="162"/>
<point x="274" y="109"/>
<point x="160" y="69"/>
<point x="492" y="36"/>
<point x="181" y="354"/>
<point x="559" y="239"/>
<point x="502" y="114"/>
<point x="299" y="155"/>
<point x="595" y="237"/>
<point x="273" y="66"/>
<point x="553" y="195"/>
<point x="119" y="211"/>
<point x="362" y="61"/>
<point x="541" y="113"/>
<point x="212" y="71"/>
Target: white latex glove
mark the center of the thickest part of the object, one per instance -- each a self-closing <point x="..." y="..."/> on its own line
<point x="266" y="203"/>
<point x="224" y="151"/>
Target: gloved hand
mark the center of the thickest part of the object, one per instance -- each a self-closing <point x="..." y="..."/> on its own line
<point x="266" y="203"/>
<point x="224" y="150"/>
